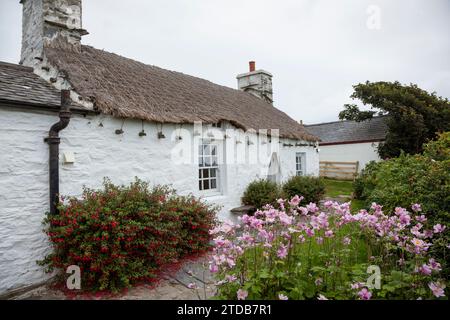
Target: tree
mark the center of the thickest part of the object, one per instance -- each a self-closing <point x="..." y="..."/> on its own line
<point x="415" y="116"/>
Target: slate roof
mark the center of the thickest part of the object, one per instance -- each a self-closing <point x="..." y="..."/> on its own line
<point x="127" y="88"/>
<point x="20" y="86"/>
<point x="349" y="131"/>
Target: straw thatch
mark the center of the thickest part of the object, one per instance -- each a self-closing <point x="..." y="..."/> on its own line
<point x="126" y="88"/>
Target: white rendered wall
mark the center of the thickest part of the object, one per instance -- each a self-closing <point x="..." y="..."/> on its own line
<point x="362" y="152"/>
<point x="99" y="153"/>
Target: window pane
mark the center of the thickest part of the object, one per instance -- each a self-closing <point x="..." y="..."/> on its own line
<point x="207" y="161"/>
<point x="206" y="150"/>
<point x="200" y="185"/>
<point x="200" y="150"/>
<point x="214" y="161"/>
<point x="205" y="184"/>
<point x="213" y="150"/>
<point x="213" y="173"/>
<point x="200" y="162"/>
<point x="213" y="183"/>
<point x="199" y="174"/>
<point x="205" y="173"/>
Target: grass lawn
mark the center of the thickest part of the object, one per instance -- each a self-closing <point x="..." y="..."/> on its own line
<point x="335" y="188"/>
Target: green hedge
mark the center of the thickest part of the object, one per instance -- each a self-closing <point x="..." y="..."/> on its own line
<point x="311" y="188"/>
<point x="261" y="192"/>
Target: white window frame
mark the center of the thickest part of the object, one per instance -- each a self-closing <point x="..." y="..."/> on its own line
<point x="208" y="167"/>
<point x="300" y="163"/>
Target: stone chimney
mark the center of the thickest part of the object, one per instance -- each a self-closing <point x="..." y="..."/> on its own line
<point x="43" y="21"/>
<point x="256" y="82"/>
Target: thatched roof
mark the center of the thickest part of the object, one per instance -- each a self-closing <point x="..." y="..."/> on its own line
<point x="126" y="88"/>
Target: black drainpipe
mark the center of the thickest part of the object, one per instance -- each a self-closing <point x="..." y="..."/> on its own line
<point x="53" y="141"/>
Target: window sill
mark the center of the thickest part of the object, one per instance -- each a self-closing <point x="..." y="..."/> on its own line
<point x="212" y="195"/>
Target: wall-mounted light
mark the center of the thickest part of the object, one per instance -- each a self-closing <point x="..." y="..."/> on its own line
<point x="160" y="133"/>
<point x="120" y="131"/>
<point x="142" y="132"/>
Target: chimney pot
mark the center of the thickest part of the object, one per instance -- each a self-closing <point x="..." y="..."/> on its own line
<point x="252" y="66"/>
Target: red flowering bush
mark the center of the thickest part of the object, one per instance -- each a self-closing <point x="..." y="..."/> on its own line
<point x="124" y="234"/>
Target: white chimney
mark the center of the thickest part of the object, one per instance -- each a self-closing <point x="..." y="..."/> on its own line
<point x="45" y="20"/>
<point x="256" y="82"/>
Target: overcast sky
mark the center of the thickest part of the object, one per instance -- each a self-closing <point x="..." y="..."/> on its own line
<point x="315" y="49"/>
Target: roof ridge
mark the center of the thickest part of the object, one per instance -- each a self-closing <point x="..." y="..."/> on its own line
<point x="15" y="66"/>
<point x="339" y="121"/>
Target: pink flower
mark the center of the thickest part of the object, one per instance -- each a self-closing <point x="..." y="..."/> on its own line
<point x="425" y="269"/>
<point x="434" y="265"/>
<point x="285" y="219"/>
<point x="192" y="285"/>
<point x="416" y="207"/>
<point x="230" y="278"/>
<point x="282" y="297"/>
<point x="329" y="233"/>
<point x="312" y="207"/>
<point x="437" y="288"/>
<point x="309" y="232"/>
<point x="346" y="241"/>
<point x="282" y="252"/>
<point x="281" y="203"/>
<point x="319" y="240"/>
<point x="357" y="285"/>
<point x="213" y="268"/>
<point x="365" y="294"/>
<point x="295" y="201"/>
<point x="421" y="218"/>
<point x="318" y="281"/>
<point x="438" y="228"/>
<point x="242" y="294"/>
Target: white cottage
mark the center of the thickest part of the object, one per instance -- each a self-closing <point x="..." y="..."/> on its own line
<point x="120" y="118"/>
<point x="350" y="141"/>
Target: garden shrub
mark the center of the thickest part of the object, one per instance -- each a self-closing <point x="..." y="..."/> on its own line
<point x="366" y="180"/>
<point x="261" y="192"/>
<point x="411" y="179"/>
<point x="311" y="189"/>
<point x="307" y="252"/>
<point x="121" y="235"/>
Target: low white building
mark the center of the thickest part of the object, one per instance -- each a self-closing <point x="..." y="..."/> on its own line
<point x="126" y="119"/>
<point x="350" y="141"/>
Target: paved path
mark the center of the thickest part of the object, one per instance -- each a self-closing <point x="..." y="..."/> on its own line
<point x="171" y="287"/>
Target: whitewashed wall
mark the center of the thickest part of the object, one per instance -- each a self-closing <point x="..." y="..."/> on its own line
<point x="362" y="152"/>
<point x="99" y="153"/>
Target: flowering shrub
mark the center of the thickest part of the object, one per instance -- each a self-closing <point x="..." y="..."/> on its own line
<point x="305" y="252"/>
<point x="124" y="234"/>
<point x="423" y="179"/>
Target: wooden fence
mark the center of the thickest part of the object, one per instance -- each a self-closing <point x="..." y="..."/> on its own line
<point x="339" y="170"/>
